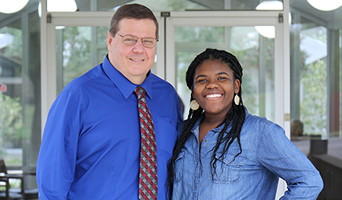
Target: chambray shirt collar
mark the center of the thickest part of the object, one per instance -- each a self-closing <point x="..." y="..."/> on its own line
<point x="195" y="129"/>
<point x="125" y="86"/>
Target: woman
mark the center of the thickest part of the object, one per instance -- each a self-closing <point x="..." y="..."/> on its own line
<point x="223" y="152"/>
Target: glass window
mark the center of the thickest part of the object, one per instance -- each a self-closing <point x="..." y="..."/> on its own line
<point x="10" y="96"/>
<point x="312" y="97"/>
<point x="20" y="97"/>
<point x="74" y="53"/>
<point x="316" y="89"/>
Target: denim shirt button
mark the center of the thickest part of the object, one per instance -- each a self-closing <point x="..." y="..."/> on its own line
<point x="205" y="140"/>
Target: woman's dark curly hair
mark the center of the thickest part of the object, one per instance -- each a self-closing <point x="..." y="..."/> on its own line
<point x="236" y="115"/>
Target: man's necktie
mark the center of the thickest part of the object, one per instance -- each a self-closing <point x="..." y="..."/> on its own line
<point x="148" y="181"/>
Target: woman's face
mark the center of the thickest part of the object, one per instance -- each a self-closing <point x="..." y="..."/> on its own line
<point x="214" y="87"/>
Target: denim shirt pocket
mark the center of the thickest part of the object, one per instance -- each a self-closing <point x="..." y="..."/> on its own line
<point x="179" y="167"/>
<point x="228" y="169"/>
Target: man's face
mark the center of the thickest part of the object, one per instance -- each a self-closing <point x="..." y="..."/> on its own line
<point x="134" y="61"/>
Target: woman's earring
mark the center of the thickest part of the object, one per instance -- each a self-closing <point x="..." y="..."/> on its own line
<point x="236" y="100"/>
<point x="194" y="105"/>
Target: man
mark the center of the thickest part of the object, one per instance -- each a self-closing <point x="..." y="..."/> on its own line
<point x="91" y="141"/>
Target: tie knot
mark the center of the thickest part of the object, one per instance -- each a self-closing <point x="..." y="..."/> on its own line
<point x="140" y="92"/>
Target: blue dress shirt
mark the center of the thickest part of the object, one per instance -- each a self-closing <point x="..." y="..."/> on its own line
<point x="91" y="141"/>
<point x="267" y="154"/>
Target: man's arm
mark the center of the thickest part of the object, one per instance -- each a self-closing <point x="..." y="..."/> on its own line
<point x="57" y="156"/>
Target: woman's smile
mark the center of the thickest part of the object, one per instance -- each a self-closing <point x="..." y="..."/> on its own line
<point x="213" y="96"/>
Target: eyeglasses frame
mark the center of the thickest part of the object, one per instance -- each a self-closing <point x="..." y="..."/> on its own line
<point x="137" y="38"/>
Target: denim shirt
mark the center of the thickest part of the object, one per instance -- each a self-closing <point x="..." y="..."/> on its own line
<point x="267" y="154"/>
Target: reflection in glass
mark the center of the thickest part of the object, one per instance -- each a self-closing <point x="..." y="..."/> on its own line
<point x="316" y="90"/>
<point x="313" y="98"/>
<point x="20" y="116"/>
<point x="11" y="118"/>
<point x="76" y="52"/>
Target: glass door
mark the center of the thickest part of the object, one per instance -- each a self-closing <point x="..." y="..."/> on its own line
<point x="262" y="58"/>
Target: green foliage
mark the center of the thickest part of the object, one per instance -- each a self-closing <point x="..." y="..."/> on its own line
<point x="313" y="106"/>
<point x="11" y="121"/>
<point x="249" y="60"/>
<point x="13" y="50"/>
<point x="76" y="54"/>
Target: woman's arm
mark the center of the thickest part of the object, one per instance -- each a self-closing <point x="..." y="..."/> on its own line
<point x="277" y="153"/>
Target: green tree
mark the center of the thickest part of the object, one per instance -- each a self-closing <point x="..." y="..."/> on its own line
<point x="76" y="54"/>
<point x="11" y="121"/>
<point x="313" y="105"/>
<point x="14" y="49"/>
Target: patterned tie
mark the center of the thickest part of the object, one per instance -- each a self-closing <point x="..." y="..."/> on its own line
<point x="148" y="181"/>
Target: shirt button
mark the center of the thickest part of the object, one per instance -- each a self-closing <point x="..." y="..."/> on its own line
<point x="205" y="140"/>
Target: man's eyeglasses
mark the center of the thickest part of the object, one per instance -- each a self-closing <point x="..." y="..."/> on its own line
<point x="131" y="40"/>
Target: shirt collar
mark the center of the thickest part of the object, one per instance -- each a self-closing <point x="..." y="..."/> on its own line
<point x="217" y="129"/>
<point x="125" y="86"/>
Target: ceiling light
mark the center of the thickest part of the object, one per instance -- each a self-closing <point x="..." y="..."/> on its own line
<point x="326" y="5"/>
<point x="9" y="7"/>
<point x="59" y="6"/>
